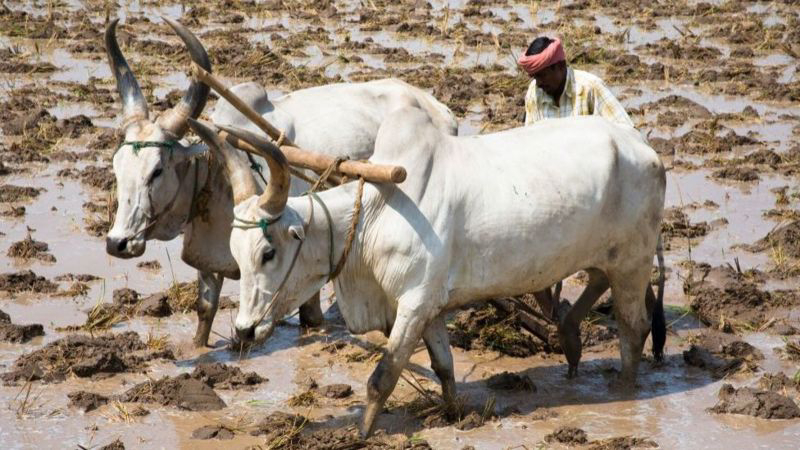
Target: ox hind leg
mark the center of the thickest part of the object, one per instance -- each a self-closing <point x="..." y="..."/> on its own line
<point x="569" y="326"/>
<point x="311" y="312"/>
<point x="633" y="313"/>
<point x="209" y="286"/>
<point x="410" y="323"/>
<point x="438" y="343"/>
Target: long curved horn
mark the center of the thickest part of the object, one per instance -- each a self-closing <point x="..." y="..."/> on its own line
<point x="194" y="100"/>
<point x="239" y="174"/>
<point x="274" y="198"/>
<point x="134" y="106"/>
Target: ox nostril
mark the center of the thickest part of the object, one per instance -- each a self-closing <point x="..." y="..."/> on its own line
<point x="122" y="244"/>
<point x="247" y="334"/>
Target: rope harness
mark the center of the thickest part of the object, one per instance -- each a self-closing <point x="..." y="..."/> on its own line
<point x="138" y="145"/>
<point x="264" y="224"/>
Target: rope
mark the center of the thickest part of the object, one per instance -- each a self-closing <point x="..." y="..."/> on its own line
<point x="263" y="224"/>
<point x="281" y="138"/>
<point x="291" y="265"/>
<point x="138" y="145"/>
<point x="255" y="166"/>
<point x="331" y="168"/>
<point x="245" y="224"/>
<point x="351" y="233"/>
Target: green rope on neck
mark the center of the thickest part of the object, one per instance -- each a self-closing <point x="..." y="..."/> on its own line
<point x="244" y="224"/>
<point x="138" y="145"/>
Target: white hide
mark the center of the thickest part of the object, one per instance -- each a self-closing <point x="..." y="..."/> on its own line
<point x="337" y="120"/>
<point x="478" y="217"/>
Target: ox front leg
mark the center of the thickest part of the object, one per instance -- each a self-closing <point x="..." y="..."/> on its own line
<point x="209" y="286"/>
<point x="438" y="343"/>
<point x="311" y="312"/>
<point x="633" y="318"/>
<point x="569" y="326"/>
<point x="408" y="328"/>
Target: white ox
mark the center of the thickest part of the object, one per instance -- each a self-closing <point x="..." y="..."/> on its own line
<point x="165" y="188"/>
<point x="478" y="217"/>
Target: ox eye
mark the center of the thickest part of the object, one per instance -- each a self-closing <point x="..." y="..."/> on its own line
<point x="267" y="256"/>
<point x="156" y="174"/>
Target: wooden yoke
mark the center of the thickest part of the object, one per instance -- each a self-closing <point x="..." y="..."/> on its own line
<point x="317" y="162"/>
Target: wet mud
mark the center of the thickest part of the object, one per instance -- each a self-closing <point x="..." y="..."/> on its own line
<point x="183" y="392"/>
<point x="18" y="334"/>
<point x="755" y="402"/>
<point x="83" y="357"/>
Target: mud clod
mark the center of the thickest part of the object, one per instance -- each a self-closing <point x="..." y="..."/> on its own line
<point x="26" y="281"/>
<point x="676" y="224"/>
<point x="116" y="445"/>
<point x="508" y="381"/>
<point x="149" y="265"/>
<point x="567" y="435"/>
<point x="336" y="391"/>
<point x="721" y="354"/>
<point x="182" y="391"/>
<point x="213" y="432"/>
<point x="726" y="299"/>
<point x="10" y="193"/>
<point x="31" y="249"/>
<point x="82" y="356"/>
<point x="19" y="334"/>
<point x="777" y="382"/>
<point x="786" y="238"/>
<point x="755" y="402"/>
<point x="297" y="432"/>
<point x="221" y="376"/>
<point x="622" y="443"/>
<point x="86" y="401"/>
<point x="154" y="306"/>
<point x="486" y="327"/>
<point x="279" y="424"/>
<point x="125" y="297"/>
<point x="737" y="174"/>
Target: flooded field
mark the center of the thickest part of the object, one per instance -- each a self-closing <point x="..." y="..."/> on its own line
<point x="714" y="85"/>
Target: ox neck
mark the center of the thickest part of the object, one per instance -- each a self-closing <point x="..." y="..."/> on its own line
<point x="330" y="230"/>
<point x="192" y="185"/>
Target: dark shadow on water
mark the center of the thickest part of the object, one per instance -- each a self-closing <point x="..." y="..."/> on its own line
<point x="288" y="334"/>
<point x="553" y="389"/>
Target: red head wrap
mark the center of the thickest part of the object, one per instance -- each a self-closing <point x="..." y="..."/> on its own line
<point x="552" y="54"/>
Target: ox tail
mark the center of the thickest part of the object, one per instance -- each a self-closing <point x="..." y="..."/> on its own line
<point x="659" y="323"/>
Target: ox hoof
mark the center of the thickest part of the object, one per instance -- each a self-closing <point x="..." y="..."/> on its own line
<point x="572" y="372"/>
<point x="658" y="362"/>
<point x="311" y="315"/>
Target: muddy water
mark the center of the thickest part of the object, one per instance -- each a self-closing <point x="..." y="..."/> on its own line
<point x="669" y="406"/>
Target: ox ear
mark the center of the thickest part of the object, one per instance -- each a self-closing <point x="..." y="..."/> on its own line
<point x="297" y="232"/>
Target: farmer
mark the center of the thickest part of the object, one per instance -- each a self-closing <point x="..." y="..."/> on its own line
<point x="560" y="91"/>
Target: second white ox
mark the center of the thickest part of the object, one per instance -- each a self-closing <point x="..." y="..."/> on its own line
<point x="165" y="188"/>
<point x="478" y="217"/>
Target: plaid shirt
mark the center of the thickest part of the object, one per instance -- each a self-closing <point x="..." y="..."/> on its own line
<point x="584" y="94"/>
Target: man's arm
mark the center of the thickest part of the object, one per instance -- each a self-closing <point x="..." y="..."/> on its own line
<point x="530" y="104"/>
<point x="606" y="105"/>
